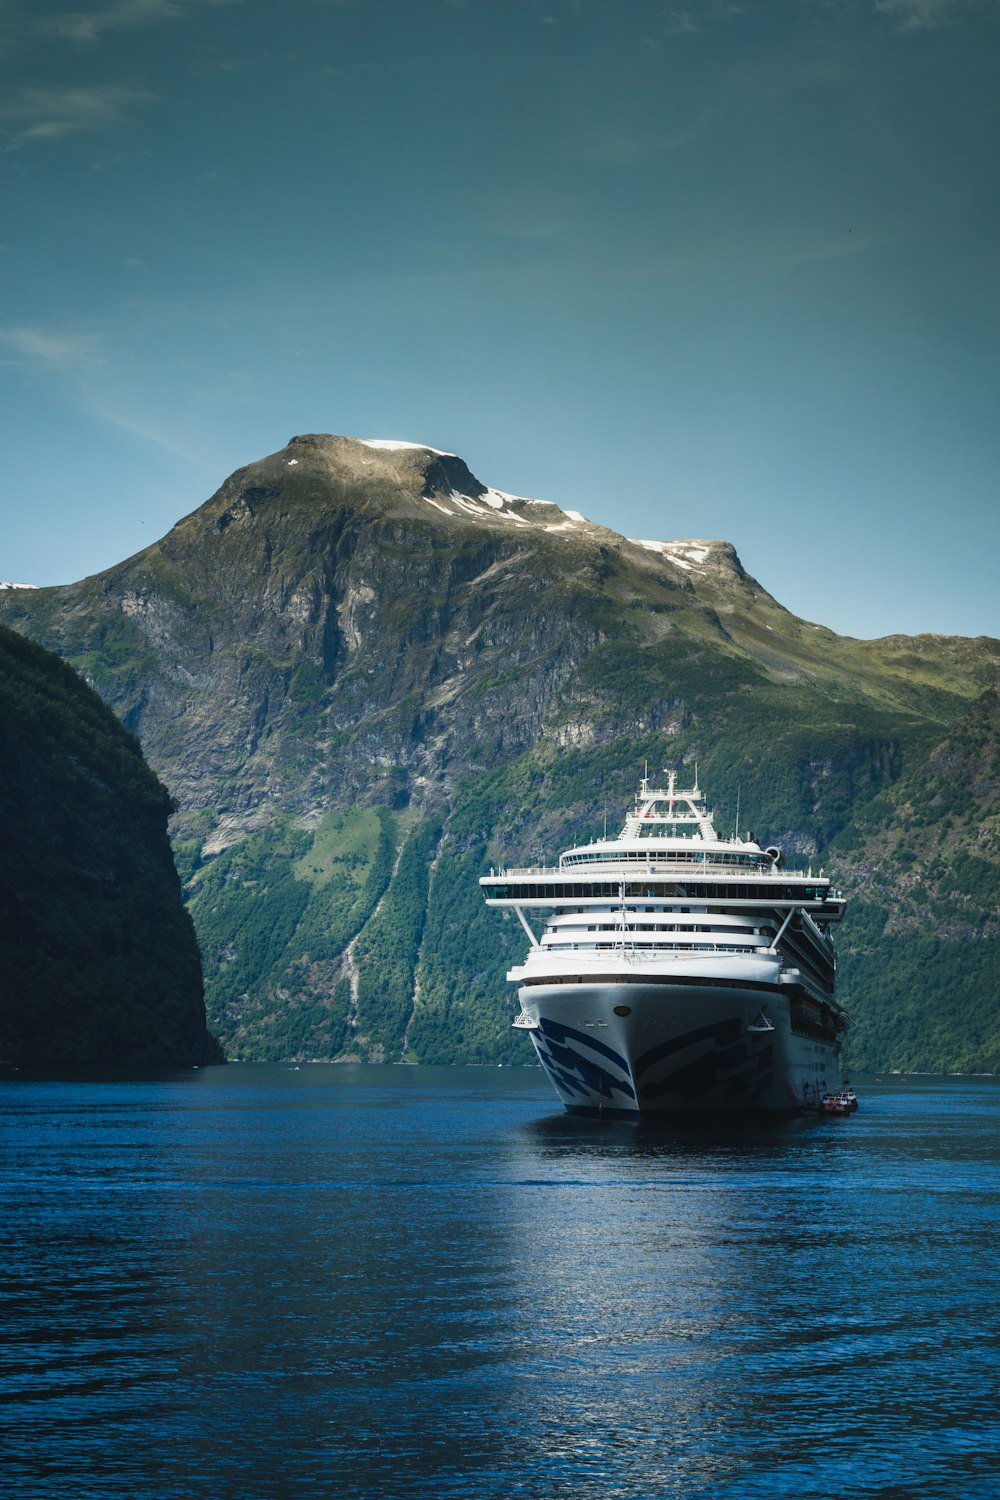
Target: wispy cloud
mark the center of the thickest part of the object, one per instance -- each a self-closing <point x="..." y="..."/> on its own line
<point x="91" y="25"/>
<point x="116" y="15"/>
<point x="60" y="350"/>
<point x="923" y="15"/>
<point x="82" y="364"/>
<point x="106" y="409"/>
<point x="679" y="18"/>
<point x="684" y="19"/>
<point x="45" y="114"/>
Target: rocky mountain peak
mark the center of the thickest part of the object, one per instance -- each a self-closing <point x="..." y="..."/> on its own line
<point x="395" y="477"/>
<point x="371" y="458"/>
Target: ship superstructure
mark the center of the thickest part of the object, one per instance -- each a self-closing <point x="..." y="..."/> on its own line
<point x="677" y="970"/>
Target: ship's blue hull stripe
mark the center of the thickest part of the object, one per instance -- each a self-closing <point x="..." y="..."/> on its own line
<point x="557" y="1031"/>
<point x="735" y="1070"/>
<point x="577" y="1074"/>
<point x="728" y="1068"/>
<point x="564" y="1082"/>
<point x="721" y="1033"/>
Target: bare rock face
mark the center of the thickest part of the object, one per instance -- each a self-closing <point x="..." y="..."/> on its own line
<point x="331" y="591"/>
<point x="356" y="653"/>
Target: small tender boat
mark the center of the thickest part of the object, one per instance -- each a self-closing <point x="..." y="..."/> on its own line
<point x="843" y="1102"/>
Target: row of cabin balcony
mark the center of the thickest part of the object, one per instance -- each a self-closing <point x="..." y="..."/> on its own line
<point x="724" y="864"/>
<point x="708" y="858"/>
<point x="654" y="948"/>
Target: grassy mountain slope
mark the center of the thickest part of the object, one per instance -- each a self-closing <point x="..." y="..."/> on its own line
<point x="922" y="952"/>
<point x="366" y="677"/>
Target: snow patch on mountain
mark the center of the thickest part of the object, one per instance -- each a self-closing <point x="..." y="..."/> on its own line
<point x="498" y="505"/>
<point x="491" y="503"/>
<point x="391" y="444"/>
<point x="20" y="585"/>
<point x="691" y="556"/>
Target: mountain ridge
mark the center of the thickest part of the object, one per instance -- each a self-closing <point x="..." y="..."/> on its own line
<point x="348" y="647"/>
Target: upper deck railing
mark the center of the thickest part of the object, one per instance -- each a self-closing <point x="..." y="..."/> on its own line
<point x="646" y="866"/>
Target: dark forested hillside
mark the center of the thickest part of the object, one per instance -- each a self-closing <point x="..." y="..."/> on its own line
<point x="98" y="957"/>
<point x="366" y="677"/>
<point x="921" y="956"/>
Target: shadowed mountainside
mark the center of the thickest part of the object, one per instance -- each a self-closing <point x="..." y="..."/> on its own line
<point x="99" y="959"/>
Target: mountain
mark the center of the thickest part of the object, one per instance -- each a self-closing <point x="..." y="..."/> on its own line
<point x="366" y="676"/>
<point x="99" y="958"/>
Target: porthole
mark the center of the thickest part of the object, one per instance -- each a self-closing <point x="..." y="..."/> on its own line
<point x="623" y="1010"/>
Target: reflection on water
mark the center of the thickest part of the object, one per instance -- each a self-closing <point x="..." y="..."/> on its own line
<point x="698" y="1134"/>
<point x="400" y="1282"/>
<point x="780" y="1308"/>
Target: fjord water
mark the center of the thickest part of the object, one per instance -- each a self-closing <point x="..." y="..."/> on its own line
<point x="361" y="1281"/>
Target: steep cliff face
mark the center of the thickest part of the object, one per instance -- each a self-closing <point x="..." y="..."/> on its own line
<point x="99" y="959"/>
<point x="365" y="675"/>
<point x="322" y="596"/>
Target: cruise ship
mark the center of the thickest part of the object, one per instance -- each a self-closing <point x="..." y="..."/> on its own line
<point x="677" y="970"/>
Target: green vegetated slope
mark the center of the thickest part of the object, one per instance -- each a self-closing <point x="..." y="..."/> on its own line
<point x="98" y="956"/>
<point x="275" y="914"/>
<point x="920" y="957"/>
<point x="366" y="679"/>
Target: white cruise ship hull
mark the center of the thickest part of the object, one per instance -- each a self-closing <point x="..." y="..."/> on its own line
<point x="678" y="971"/>
<point x="684" y="1044"/>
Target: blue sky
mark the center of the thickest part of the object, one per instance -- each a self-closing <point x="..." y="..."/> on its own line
<point x="713" y="269"/>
